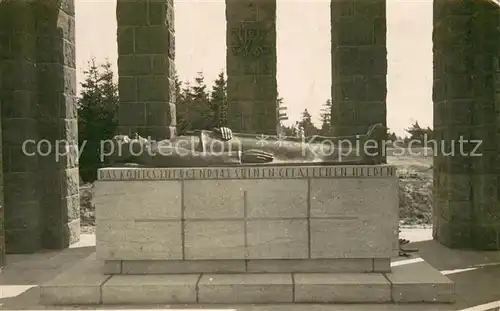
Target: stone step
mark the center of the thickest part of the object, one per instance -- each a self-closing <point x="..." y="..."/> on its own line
<point x="85" y="283"/>
<point x="334" y="265"/>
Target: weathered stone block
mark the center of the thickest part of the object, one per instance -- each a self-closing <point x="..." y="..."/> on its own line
<point x="206" y="199"/>
<point x="420" y="282"/>
<point x="125" y="38"/>
<point x="235" y="65"/>
<point x="277" y="239"/>
<point x="267" y="64"/>
<point x="339" y="197"/>
<point x="19" y="130"/>
<point x="344" y="265"/>
<point x="163" y="65"/>
<point x="132" y="114"/>
<point x="152" y="88"/>
<point x="342" y="288"/>
<point x="381" y="265"/>
<point x="182" y="266"/>
<point x="245" y="288"/>
<point x="138" y="200"/>
<point x="112" y="267"/>
<point x="244" y="11"/>
<point x="25" y="104"/>
<point x="131" y="65"/>
<point x="132" y="13"/>
<point x="160" y="13"/>
<point x="152" y="40"/>
<point x="150" y="289"/>
<point x="159" y="113"/>
<point x="277" y="199"/>
<point x="131" y="240"/>
<point x="82" y="286"/>
<point x="21" y="187"/>
<point x="242" y="88"/>
<point x="214" y="240"/>
<point x="361" y="238"/>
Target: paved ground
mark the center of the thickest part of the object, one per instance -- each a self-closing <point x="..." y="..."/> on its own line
<point x="476" y="276"/>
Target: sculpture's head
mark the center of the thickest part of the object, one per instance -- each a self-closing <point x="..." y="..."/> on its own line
<point x="122" y="148"/>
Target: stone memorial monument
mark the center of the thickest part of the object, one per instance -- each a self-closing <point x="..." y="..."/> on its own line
<point x="228" y="218"/>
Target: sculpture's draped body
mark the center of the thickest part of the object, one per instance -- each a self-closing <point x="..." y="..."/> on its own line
<point x="222" y="147"/>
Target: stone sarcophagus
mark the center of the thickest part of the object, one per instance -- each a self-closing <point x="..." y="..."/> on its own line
<point x="259" y="218"/>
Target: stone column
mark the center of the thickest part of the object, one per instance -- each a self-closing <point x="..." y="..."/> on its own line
<point x="57" y="123"/>
<point x="466" y="209"/>
<point x="18" y="99"/>
<point x="4" y="54"/>
<point x="359" y="65"/>
<point x="146" y="52"/>
<point x="2" y="214"/>
<point x="251" y="65"/>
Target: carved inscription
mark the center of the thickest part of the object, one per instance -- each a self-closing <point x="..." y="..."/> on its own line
<point x="249" y="41"/>
<point x="245" y="173"/>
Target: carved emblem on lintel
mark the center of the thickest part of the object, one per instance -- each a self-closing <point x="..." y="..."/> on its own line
<point x="249" y="40"/>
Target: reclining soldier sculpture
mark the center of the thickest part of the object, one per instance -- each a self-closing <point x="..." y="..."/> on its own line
<point x="222" y="147"/>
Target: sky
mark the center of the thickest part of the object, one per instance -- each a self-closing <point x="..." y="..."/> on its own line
<point x="303" y="47"/>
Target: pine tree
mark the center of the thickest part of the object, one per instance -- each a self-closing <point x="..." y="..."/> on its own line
<point x="326" y="118"/>
<point x="307" y="125"/>
<point x="200" y="114"/>
<point x="199" y="89"/>
<point x="419" y="133"/>
<point x="280" y="104"/>
<point x="97" y="116"/>
<point x="218" y="101"/>
<point x="183" y="103"/>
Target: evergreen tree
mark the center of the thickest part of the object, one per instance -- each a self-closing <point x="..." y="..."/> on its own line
<point x="289" y="131"/>
<point x="199" y="89"/>
<point x="326" y="118"/>
<point x="418" y="133"/>
<point x="183" y="103"/>
<point x="282" y="129"/>
<point x="307" y="125"/>
<point x="97" y="116"/>
<point x="200" y="113"/>
<point x="218" y="103"/>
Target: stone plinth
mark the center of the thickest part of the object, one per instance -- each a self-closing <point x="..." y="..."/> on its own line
<point x="247" y="235"/>
<point x="247" y="219"/>
<point x="85" y="284"/>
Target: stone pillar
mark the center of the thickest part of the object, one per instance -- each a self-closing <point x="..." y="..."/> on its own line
<point x="466" y="209"/>
<point x="359" y="65"/>
<point x="57" y="123"/>
<point x="23" y="221"/>
<point x="251" y="65"/>
<point x="2" y="215"/>
<point x="4" y="54"/>
<point x="146" y="52"/>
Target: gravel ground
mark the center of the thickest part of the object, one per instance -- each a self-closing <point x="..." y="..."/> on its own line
<point x="415" y="188"/>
